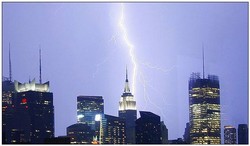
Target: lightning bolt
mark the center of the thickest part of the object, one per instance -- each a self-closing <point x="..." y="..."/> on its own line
<point x="130" y="47"/>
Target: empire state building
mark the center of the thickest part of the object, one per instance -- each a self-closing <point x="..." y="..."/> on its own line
<point x="127" y="111"/>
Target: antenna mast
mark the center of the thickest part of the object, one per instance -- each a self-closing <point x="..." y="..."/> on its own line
<point x="203" y="61"/>
<point x="40" y="65"/>
<point x="10" y="74"/>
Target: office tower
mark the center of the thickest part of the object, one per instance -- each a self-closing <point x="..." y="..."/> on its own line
<point x="80" y="133"/>
<point x="87" y="108"/>
<point x="186" y="136"/>
<point x="204" y="109"/>
<point x="164" y="133"/>
<point x="33" y="109"/>
<point x="114" y="130"/>
<point x="229" y="135"/>
<point x="242" y="134"/>
<point x="127" y="111"/>
<point x="148" y="128"/>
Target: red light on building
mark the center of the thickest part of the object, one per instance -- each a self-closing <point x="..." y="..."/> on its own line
<point x="26" y="107"/>
<point x="24" y="100"/>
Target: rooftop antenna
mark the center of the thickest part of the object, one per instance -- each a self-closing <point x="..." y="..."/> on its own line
<point x="40" y="65"/>
<point x="203" y="61"/>
<point x="10" y="74"/>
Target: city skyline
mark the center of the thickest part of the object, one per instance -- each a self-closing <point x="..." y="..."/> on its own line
<point x="83" y="53"/>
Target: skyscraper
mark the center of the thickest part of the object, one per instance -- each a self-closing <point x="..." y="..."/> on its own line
<point x="229" y="135"/>
<point x="32" y="118"/>
<point x="114" y="130"/>
<point x="148" y="128"/>
<point x="87" y="108"/>
<point x="242" y="134"/>
<point x="127" y="111"/>
<point x="204" y="109"/>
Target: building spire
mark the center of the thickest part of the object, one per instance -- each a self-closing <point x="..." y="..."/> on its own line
<point x="203" y="60"/>
<point x="126" y="88"/>
<point x="10" y="74"/>
<point x="40" y="65"/>
<point x="126" y="74"/>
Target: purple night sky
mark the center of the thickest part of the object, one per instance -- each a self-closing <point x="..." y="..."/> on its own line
<point x="84" y="53"/>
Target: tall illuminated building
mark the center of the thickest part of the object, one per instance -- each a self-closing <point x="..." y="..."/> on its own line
<point x="32" y="115"/>
<point x="87" y="108"/>
<point x="127" y="111"/>
<point x="204" y="109"/>
<point x="229" y="135"/>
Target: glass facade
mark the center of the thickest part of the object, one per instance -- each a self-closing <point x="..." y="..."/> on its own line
<point x="87" y="108"/>
<point x="204" y="110"/>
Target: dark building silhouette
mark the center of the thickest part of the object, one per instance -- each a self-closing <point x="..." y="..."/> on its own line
<point x="30" y="118"/>
<point x="57" y="140"/>
<point x="87" y="108"/>
<point x="8" y="91"/>
<point x="114" y="130"/>
<point x="229" y="135"/>
<point x="148" y="128"/>
<point x="186" y="136"/>
<point x="80" y="133"/>
<point x="164" y="133"/>
<point x="204" y="109"/>
<point x="128" y="112"/>
<point x="242" y="134"/>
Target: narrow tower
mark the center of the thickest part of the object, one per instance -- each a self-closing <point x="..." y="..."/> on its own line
<point x="40" y="65"/>
<point x="127" y="111"/>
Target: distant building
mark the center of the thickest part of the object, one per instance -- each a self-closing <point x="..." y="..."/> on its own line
<point x="87" y="108"/>
<point x="177" y="141"/>
<point x="80" y="133"/>
<point x="242" y="134"/>
<point x="114" y="130"/>
<point x="33" y="108"/>
<point x="204" y="109"/>
<point x="164" y="133"/>
<point x="128" y="112"/>
<point x="186" y="136"/>
<point x="148" y="128"/>
<point x="229" y="135"/>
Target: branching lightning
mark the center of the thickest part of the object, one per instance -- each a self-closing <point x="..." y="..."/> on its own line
<point x="142" y="79"/>
<point x="130" y="47"/>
